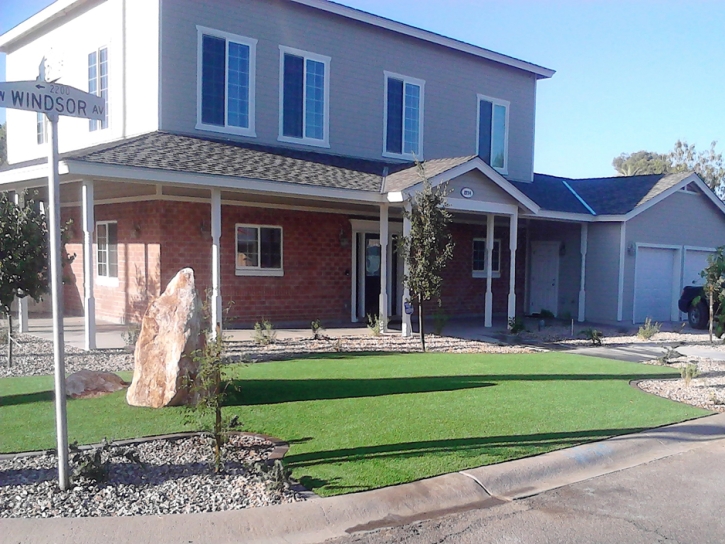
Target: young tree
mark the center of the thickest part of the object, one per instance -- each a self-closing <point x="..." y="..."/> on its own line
<point x="714" y="276"/>
<point x="23" y="256"/>
<point x="429" y="246"/>
<point x="3" y="144"/>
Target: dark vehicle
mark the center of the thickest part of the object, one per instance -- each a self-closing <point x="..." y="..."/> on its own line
<point x="698" y="314"/>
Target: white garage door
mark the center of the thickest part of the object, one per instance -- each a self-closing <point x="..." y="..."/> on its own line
<point x="654" y="282"/>
<point x="695" y="262"/>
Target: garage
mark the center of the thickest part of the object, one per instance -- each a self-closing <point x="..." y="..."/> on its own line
<point x="695" y="262"/>
<point x="656" y="284"/>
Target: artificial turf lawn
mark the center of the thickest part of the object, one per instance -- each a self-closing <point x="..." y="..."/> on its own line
<point x="358" y="422"/>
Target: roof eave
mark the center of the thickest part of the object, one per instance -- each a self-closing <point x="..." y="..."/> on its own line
<point x="44" y="17"/>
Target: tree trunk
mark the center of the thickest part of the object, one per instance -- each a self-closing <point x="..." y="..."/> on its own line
<point x="712" y="317"/>
<point x="10" y="339"/>
<point x="421" y="324"/>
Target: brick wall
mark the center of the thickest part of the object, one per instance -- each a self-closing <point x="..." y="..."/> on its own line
<point x="139" y="254"/>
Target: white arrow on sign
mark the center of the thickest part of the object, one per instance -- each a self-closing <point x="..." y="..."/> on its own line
<point x="52" y="98"/>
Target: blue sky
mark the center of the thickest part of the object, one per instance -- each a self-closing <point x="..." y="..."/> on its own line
<point x="630" y="75"/>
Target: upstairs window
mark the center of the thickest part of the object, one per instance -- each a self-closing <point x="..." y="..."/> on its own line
<point x="493" y="123"/>
<point x="107" y="249"/>
<point x="225" y="86"/>
<point x="41" y="128"/>
<point x="98" y="83"/>
<point x="403" y="117"/>
<point x="304" y="97"/>
<point x="259" y="250"/>
<point x="480" y="261"/>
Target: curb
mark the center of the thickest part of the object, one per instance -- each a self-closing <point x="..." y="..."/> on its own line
<point x="319" y="520"/>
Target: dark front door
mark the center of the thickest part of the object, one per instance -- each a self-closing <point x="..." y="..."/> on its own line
<point x="372" y="275"/>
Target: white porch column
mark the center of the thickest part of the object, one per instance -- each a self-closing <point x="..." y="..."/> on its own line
<point x="488" y="315"/>
<point x="89" y="301"/>
<point x="383" y="304"/>
<point x="216" y="232"/>
<point x="406" y="328"/>
<point x="582" y="281"/>
<point x="22" y="302"/>
<point x="513" y="244"/>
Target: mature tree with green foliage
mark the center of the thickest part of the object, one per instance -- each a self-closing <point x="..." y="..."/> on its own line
<point x="684" y="157"/>
<point x="23" y="256"/>
<point x="3" y="144"/>
<point x="429" y="246"/>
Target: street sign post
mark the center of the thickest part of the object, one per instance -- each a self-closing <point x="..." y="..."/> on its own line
<point x="54" y="100"/>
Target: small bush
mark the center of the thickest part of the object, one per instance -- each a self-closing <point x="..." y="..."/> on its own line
<point x="375" y="325"/>
<point x="669" y="356"/>
<point x="316" y="328"/>
<point x="440" y="318"/>
<point x="95" y="463"/>
<point x="276" y="477"/>
<point x="565" y="315"/>
<point x="131" y="334"/>
<point x="649" y="329"/>
<point x="264" y="333"/>
<point x="593" y="335"/>
<point x="516" y="325"/>
<point x="688" y="372"/>
<point x="3" y="336"/>
<point x="546" y="314"/>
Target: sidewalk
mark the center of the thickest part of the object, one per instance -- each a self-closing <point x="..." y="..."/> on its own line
<point x="318" y="520"/>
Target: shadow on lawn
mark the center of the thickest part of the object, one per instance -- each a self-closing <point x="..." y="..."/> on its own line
<point x="472" y="446"/>
<point x="27" y="398"/>
<point x="273" y="391"/>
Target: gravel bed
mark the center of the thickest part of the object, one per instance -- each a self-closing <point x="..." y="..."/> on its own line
<point x="612" y="335"/>
<point x="175" y="478"/>
<point x="33" y="356"/>
<point x="706" y="391"/>
<point x="250" y="351"/>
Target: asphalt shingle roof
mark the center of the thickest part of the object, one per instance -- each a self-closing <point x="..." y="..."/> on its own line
<point x="409" y="176"/>
<point x="165" y="151"/>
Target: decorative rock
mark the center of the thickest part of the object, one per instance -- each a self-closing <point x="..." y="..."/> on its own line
<point x="88" y="383"/>
<point x="170" y="333"/>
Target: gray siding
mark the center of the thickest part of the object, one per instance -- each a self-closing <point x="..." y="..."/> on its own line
<point x="679" y="220"/>
<point x="360" y="53"/>
<point x="568" y="234"/>
<point x="484" y="190"/>
<point x="602" y="272"/>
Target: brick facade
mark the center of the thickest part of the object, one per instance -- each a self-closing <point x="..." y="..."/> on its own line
<point x="156" y="239"/>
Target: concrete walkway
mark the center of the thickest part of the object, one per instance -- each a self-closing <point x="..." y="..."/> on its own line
<point x="321" y="519"/>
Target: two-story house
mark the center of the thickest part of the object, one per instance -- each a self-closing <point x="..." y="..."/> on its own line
<point x="271" y="146"/>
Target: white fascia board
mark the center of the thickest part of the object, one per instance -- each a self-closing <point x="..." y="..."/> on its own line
<point x="24" y="176"/>
<point x="151" y="175"/>
<point x="465" y="205"/>
<point x="692" y="178"/>
<point x="54" y="11"/>
<point x="478" y="164"/>
<point x="432" y="37"/>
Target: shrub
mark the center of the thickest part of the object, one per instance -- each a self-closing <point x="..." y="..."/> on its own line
<point x="95" y="463"/>
<point x="669" y="355"/>
<point x="131" y="334"/>
<point x="264" y="333"/>
<point x="649" y="329"/>
<point x="277" y="477"/>
<point x="593" y="335"/>
<point x="688" y="372"/>
<point x="316" y="328"/>
<point x="440" y="318"/>
<point x="516" y="325"/>
<point x="375" y="325"/>
<point x="546" y="314"/>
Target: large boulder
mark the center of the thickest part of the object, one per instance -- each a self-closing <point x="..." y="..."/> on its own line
<point x="170" y="333"/>
<point x="90" y="383"/>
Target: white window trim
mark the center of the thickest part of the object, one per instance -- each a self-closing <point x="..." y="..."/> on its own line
<point x="100" y="128"/>
<point x="105" y="281"/>
<point x="325" y="142"/>
<point x="415" y="81"/>
<point x="258" y="271"/>
<point x="252" y="44"/>
<point x="495" y="102"/>
<point x="44" y="133"/>
<point x="484" y="273"/>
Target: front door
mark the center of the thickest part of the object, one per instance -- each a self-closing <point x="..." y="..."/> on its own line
<point x="372" y="274"/>
<point x="544" y="286"/>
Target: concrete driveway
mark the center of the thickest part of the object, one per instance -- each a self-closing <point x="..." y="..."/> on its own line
<point x="636" y="353"/>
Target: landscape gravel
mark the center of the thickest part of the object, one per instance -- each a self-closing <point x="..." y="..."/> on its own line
<point x="33" y="356"/>
<point x="175" y="477"/>
<point x="706" y="391"/>
<point x="562" y="334"/>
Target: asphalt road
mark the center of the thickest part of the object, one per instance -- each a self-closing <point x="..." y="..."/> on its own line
<point x="677" y="500"/>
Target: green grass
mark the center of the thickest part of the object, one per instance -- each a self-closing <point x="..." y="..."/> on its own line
<point x="358" y="422"/>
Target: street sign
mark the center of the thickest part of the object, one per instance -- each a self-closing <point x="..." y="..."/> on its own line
<point x="52" y="98"/>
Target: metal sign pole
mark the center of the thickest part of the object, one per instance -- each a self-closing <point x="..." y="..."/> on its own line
<point x="56" y="271"/>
